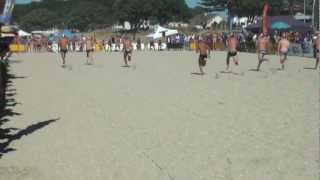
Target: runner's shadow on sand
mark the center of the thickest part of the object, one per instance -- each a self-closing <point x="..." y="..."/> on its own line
<point x="198" y="74"/>
<point x="7" y="102"/>
<point x="125" y="66"/>
<point x="309" y="68"/>
<point x="231" y="72"/>
<point x="226" y="72"/>
<point x="253" y="70"/>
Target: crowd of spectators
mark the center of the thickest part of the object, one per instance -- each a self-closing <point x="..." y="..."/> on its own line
<point x="301" y="43"/>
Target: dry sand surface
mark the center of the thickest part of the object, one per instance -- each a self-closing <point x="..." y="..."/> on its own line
<point x="158" y="121"/>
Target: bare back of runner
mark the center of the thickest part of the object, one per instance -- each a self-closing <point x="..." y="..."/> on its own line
<point x="63" y="45"/>
<point x="89" y="49"/>
<point x="262" y="48"/>
<point x="203" y="49"/>
<point x="283" y="48"/>
<point x="127" y="51"/>
<point x="232" y="51"/>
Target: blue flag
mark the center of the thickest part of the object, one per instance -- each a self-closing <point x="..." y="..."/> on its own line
<point x="7" y="8"/>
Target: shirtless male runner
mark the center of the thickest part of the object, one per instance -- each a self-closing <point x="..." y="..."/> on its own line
<point x="63" y="45"/>
<point x="127" y="50"/>
<point x="317" y="50"/>
<point x="89" y="49"/>
<point x="283" y="48"/>
<point x="203" y="49"/>
<point x="262" y="48"/>
<point x="232" y="43"/>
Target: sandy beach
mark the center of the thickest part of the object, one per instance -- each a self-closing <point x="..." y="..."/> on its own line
<point x="159" y="121"/>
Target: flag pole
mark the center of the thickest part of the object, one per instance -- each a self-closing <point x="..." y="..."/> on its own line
<point x="318" y="15"/>
<point x="304" y="10"/>
<point x="313" y="14"/>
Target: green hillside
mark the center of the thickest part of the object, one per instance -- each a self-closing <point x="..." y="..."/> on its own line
<point x="86" y="15"/>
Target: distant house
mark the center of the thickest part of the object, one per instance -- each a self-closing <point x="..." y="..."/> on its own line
<point x="302" y="17"/>
<point x="178" y="25"/>
<point x="219" y="12"/>
<point x="206" y="20"/>
<point x="294" y="8"/>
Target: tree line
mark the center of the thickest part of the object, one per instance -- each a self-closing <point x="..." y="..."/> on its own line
<point x="87" y="15"/>
<point x="251" y="8"/>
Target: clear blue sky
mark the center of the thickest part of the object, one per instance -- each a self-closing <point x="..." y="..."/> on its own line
<point x="191" y="3"/>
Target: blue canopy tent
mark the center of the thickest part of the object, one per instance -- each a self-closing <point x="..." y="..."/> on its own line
<point x="281" y="23"/>
<point x="53" y="38"/>
<point x="65" y="32"/>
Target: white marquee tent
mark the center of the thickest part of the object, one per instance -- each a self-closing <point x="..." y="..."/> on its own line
<point x="22" y="33"/>
<point x="159" y="32"/>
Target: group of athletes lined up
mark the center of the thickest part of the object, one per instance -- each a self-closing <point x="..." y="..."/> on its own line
<point x="89" y="43"/>
<point x="262" y="49"/>
<point x="203" y="48"/>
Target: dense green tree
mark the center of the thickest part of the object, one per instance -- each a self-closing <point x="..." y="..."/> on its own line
<point x="176" y="10"/>
<point x="38" y="19"/>
<point x="84" y="14"/>
<point x="135" y="11"/>
<point x="87" y="15"/>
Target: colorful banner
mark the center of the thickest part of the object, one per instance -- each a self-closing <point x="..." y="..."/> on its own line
<point x="265" y="19"/>
<point x="8" y="5"/>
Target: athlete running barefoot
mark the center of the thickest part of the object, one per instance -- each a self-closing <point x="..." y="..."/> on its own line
<point x="63" y="46"/>
<point x="89" y="49"/>
<point x="127" y="50"/>
<point x="283" y="48"/>
<point x="317" y="51"/>
<point x="203" y="49"/>
<point x="262" y="48"/>
<point x="232" y="43"/>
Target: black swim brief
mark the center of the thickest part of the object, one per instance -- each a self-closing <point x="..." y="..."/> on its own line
<point x="202" y="59"/>
<point x="263" y="51"/>
<point x="232" y="53"/>
<point x="88" y="51"/>
<point x="64" y="50"/>
<point x="127" y="52"/>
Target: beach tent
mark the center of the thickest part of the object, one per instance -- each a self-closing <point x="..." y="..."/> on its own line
<point x="22" y="33"/>
<point x="67" y="33"/>
<point x="216" y="19"/>
<point x="46" y="33"/>
<point x="281" y="23"/>
<point x="9" y="31"/>
<point x="160" y="31"/>
<point x="8" y="35"/>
